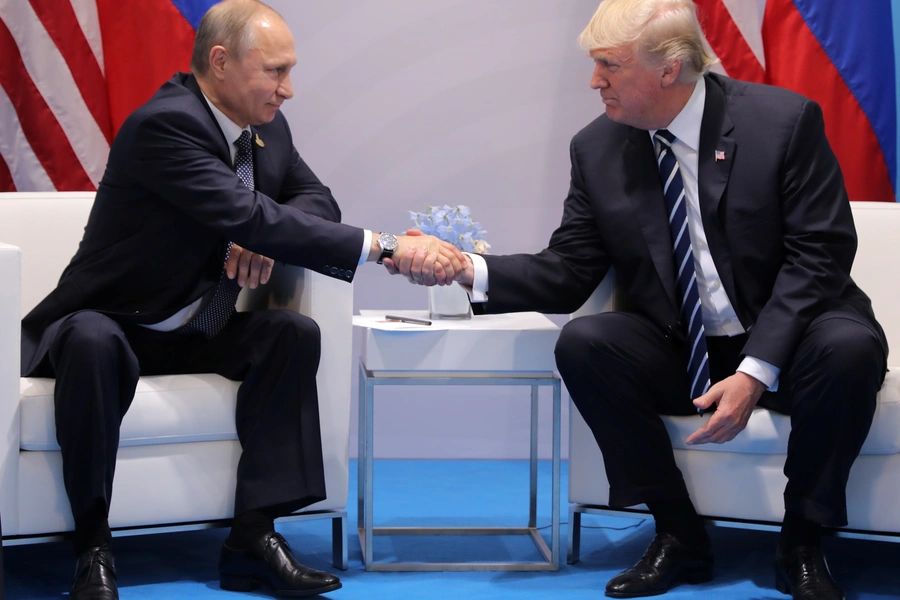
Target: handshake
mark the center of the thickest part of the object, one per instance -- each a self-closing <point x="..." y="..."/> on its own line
<point x="424" y="259"/>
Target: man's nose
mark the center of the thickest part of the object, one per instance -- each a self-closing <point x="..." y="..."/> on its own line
<point x="286" y="90"/>
<point x="598" y="80"/>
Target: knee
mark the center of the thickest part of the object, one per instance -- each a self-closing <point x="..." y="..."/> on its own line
<point x="845" y="351"/>
<point x="302" y="330"/>
<point x="572" y="346"/>
<point x="89" y="338"/>
<point x="582" y="341"/>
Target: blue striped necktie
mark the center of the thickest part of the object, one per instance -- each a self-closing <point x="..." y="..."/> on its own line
<point x="686" y="276"/>
<point x="212" y="318"/>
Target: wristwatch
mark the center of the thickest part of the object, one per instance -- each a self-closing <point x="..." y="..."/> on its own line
<point x="388" y="243"/>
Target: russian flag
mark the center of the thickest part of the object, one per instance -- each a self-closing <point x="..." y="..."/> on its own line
<point x="72" y="70"/>
<point x="842" y="54"/>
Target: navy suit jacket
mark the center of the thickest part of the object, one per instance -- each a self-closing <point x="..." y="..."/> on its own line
<point x="168" y="204"/>
<point x="775" y="213"/>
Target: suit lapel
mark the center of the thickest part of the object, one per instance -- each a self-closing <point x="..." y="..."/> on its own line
<point x="643" y="186"/>
<point x="715" y="159"/>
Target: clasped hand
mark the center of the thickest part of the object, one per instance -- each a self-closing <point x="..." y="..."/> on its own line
<point x="250" y="269"/>
<point x="426" y="260"/>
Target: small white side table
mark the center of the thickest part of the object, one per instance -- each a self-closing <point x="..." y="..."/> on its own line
<point x="513" y="349"/>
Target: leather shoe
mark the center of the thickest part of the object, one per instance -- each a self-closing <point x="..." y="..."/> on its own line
<point x="95" y="575"/>
<point x="666" y="563"/>
<point x="269" y="562"/>
<point x="803" y="573"/>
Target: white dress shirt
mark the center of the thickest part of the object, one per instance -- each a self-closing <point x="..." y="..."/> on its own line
<point x="719" y="317"/>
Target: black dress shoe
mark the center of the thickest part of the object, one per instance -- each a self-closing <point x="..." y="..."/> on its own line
<point x="803" y="573"/>
<point x="95" y="575"/>
<point x="269" y="562"/>
<point x="666" y="563"/>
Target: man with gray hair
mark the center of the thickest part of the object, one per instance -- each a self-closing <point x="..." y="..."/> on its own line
<point x="203" y="191"/>
<point x="723" y="211"/>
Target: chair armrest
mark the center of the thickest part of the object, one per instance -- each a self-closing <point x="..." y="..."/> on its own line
<point x="604" y="299"/>
<point x="10" y="356"/>
<point x="329" y="302"/>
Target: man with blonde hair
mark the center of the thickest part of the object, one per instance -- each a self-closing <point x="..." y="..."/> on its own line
<point x="203" y="191"/>
<point x="723" y="211"/>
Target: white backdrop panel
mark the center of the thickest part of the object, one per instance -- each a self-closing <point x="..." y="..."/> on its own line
<point x="399" y="103"/>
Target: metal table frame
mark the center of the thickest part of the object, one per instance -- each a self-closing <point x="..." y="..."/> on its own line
<point x="367" y="531"/>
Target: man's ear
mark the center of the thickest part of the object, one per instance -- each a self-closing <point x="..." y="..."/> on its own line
<point x="671" y="71"/>
<point x="218" y="56"/>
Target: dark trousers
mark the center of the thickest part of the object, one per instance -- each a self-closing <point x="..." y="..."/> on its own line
<point x="622" y="374"/>
<point x="275" y="354"/>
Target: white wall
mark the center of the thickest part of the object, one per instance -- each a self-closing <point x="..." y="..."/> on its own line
<point x="399" y="103"/>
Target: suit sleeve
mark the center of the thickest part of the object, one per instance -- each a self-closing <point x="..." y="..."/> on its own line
<point x="819" y="242"/>
<point x="560" y="278"/>
<point x="174" y="157"/>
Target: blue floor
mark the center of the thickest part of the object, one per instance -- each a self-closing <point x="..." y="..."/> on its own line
<point x="436" y="493"/>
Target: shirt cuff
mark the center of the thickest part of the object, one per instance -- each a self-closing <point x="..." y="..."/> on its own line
<point x="759" y="369"/>
<point x="478" y="291"/>
<point x="367" y="243"/>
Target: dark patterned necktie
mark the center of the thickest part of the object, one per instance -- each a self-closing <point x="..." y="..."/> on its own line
<point x="686" y="276"/>
<point x="213" y="317"/>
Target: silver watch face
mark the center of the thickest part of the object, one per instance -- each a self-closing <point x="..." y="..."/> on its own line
<point x="388" y="241"/>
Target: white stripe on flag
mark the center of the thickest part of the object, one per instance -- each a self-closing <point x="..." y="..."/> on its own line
<point x="25" y="168"/>
<point x="748" y="17"/>
<point x="55" y="83"/>
<point x="86" y="13"/>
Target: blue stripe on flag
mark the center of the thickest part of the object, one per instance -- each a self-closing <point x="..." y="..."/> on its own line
<point x="193" y="10"/>
<point x="858" y="37"/>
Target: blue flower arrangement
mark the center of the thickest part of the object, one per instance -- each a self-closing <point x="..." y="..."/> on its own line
<point x="452" y="224"/>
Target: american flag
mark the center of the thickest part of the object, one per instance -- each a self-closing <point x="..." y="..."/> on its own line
<point x="71" y="71"/>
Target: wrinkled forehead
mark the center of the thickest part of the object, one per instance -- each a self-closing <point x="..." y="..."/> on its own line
<point x="619" y="54"/>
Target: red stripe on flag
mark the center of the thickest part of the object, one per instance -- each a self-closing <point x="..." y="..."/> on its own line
<point x="61" y="23"/>
<point x="152" y="34"/>
<point x="796" y="60"/>
<point x="42" y="130"/>
<point x="6" y="180"/>
<point x="727" y="42"/>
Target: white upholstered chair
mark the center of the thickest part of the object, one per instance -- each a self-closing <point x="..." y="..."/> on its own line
<point x="178" y="452"/>
<point x="741" y="483"/>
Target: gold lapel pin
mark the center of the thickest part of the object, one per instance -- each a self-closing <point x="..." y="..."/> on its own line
<point x="259" y="142"/>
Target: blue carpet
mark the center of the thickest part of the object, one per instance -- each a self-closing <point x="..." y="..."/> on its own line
<point x="441" y="493"/>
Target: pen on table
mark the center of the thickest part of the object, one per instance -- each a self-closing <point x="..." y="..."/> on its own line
<point x="407" y="320"/>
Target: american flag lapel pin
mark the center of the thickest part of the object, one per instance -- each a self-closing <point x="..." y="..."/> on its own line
<point x="720" y="155"/>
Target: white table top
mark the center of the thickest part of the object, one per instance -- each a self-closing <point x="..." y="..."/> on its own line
<point x="374" y="319"/>
<point x="508" y="342"/>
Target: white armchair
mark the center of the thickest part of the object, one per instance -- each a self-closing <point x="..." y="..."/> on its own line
<point x="178" y="452"/>
<point x="741" y="483"/>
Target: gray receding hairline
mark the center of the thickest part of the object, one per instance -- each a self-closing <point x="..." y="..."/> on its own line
<point x="227" y="23"/>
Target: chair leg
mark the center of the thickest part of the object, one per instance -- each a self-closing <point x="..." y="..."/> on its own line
<point x="574" y="553"/>
<point x="339" y="541"/>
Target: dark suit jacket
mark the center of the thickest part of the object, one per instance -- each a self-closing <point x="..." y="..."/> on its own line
<point x="168" y="204"/>
<point x="775" y="213"/>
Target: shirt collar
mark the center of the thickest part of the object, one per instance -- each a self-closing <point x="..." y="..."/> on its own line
<point x="230" y="129"/>
<point x="686" y="125"/>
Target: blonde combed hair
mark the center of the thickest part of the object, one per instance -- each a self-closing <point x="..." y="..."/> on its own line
<point x="662" y="31"/>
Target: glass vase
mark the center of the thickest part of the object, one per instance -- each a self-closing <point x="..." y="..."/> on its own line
<point x="449" y="302"/>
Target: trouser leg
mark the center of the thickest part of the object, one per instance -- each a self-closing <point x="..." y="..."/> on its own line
<point x="275" y="354"/>
<point x="622" y="373"/>
<point x="96" y="375"/>
<point x="829" y="391"/>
